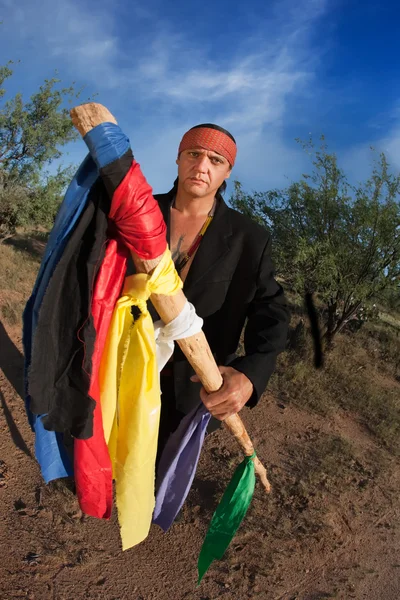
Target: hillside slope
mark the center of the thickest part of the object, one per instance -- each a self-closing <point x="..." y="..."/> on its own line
<point x="330" y="528"/>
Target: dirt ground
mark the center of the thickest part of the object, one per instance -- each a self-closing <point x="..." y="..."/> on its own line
<point x="330" y="528"/>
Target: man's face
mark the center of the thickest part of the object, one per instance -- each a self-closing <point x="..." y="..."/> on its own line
<point x="201" y="172"/>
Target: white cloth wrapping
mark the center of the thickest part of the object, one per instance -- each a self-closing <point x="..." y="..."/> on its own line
<point x="187" y="323"/>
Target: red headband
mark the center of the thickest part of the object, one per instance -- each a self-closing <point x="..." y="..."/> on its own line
<point x="209" y="139"/>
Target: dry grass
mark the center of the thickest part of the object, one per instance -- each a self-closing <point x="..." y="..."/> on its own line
<point x="361" y="375"/>
<point x="19" y="264"/>
<point x="390" y="319"/>
<point x="382" y="342"/>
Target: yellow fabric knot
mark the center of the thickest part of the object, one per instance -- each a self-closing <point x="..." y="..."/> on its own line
<point x="163" y="280"/>
<point x="130" y="398"/>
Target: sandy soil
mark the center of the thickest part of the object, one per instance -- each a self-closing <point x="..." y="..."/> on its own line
<point x="330" y="528"/>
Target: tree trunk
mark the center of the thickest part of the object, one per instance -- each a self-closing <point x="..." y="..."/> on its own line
<point x="3" y="238"/>
<point x="331" y="324"/>
<point x="338" y="324"/>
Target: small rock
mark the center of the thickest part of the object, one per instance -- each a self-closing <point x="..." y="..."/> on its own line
<point x="19" y="505"/>
<point x="31" y="558"/>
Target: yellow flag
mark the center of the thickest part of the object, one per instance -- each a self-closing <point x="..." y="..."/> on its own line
<point x="130" y="399"/>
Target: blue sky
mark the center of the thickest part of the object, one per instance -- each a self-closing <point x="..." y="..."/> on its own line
<point x="268" y="71"/>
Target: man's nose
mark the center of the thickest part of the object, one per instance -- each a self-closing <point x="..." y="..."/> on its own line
<point x="202" y="164"/>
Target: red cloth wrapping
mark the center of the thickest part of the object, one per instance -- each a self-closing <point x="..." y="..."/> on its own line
<point x="92" y="465"/>
<point x="137" y="217"/>
<point x="137" y="224"/>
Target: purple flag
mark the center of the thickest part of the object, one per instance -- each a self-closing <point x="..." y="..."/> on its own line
<point x="178" y="465"/>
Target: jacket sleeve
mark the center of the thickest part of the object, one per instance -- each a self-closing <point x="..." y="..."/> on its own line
<point x="266" y="329"/>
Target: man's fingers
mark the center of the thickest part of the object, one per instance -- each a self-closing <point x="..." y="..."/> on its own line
<point x="223" y="410"/>
<point x="220" y="418"/>
<point x="211" y="400"/>
<point x="217" y="406"/>
<point x="223" y="415"/>
<point x="232" y="396"/>
<point x="216" y="398"/>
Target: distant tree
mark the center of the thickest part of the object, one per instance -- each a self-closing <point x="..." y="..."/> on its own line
<point x="390" y="298"/>
<point x="33" y="205"/>
<point x="32" y="135"/>
<point x="333" y="239"/>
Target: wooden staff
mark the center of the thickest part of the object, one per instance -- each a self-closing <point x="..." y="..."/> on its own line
<point x="195" y="347"/>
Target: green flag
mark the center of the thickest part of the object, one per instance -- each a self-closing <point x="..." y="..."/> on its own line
<point x="229" y="514"/>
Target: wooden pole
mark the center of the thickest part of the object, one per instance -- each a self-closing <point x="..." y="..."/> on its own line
<point x="195" y="347"/>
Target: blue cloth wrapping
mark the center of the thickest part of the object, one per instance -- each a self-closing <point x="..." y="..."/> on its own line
<point x="106" y="143"/>
<point x="178" y="465"/>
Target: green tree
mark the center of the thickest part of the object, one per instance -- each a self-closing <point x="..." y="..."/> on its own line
<point x="32" y="135"/>
<point x="333" y="239"/>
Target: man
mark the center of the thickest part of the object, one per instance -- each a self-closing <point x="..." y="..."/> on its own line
<point x="223" y="258"/>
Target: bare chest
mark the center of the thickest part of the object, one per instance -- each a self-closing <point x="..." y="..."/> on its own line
<point x="183" y="233"/>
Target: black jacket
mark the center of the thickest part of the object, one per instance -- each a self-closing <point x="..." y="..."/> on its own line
<point x="231" y="280"/>
<point x="63" y="344"/>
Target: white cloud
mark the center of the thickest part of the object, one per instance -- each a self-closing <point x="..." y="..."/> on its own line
<point x="358" y="160"/>
<point x="161" y="81"/>
<point x="390" y="144"/>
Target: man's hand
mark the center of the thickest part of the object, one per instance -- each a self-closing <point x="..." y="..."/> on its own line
<point x="231" y="397"/>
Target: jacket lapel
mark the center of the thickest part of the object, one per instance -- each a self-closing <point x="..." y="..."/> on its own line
<point x="213" y="247"/>
<point x="164" y="202"/>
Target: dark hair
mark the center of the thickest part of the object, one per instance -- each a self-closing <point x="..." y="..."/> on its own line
<point x="220" y="190"/>
<point x="217" y="127"/>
